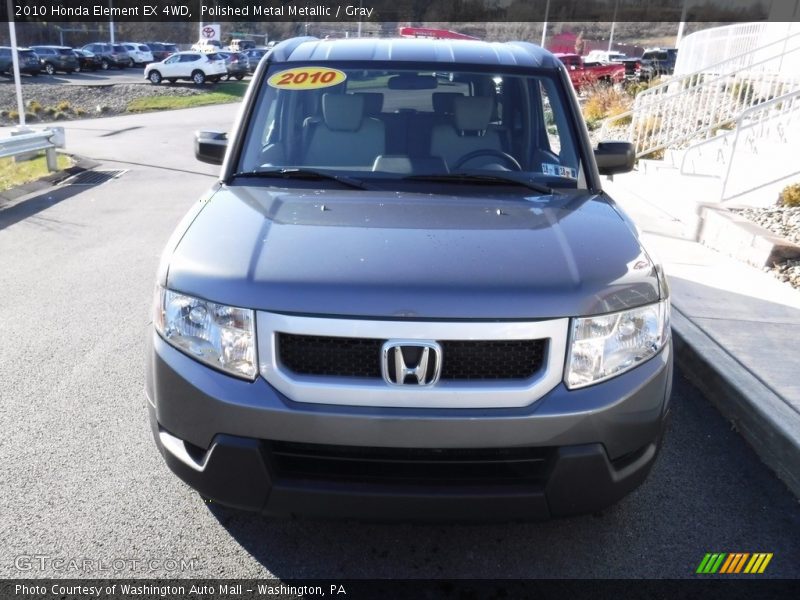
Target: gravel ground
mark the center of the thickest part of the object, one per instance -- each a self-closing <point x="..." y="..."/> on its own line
<point x="785" y="222"/>
<point x="84" y="101"/>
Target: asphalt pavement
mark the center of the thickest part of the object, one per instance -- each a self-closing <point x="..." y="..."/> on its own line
<point x="83" y="480"/>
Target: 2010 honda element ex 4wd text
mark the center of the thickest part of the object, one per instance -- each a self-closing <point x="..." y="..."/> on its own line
<point x="408" y="296"/>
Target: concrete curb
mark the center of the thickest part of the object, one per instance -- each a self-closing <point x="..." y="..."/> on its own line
<point x="768" y="423"/>
<point x="735" y="236"/>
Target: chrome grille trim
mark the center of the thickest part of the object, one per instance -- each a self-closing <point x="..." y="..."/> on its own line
<point x="347" y="391"/>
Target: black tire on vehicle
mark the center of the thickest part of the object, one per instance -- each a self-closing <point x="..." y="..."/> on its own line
<point x="198" y="77"/>
<point x="131" y="63"/>
<point x="77" y="69"/>
<point x="104" y="65"/>
<point x="239" y="77"/>
<point x="49" y="69"/>
<point x="154" y="77"/>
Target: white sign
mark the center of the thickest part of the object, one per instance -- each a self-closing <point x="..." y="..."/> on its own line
<point x="210" y="31"/>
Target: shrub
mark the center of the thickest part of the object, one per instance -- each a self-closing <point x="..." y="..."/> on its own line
<point x="603" y="102"/>
<point x="13" y="115"/>
<point x="80" y="112"/>
<point x="34" y="106"/>
<point x="790" y="196"/>
<point x="60" y="115"/>
<point x="29" y="116"/>
<point x="50" y="111"/>
<point x="63" y="106"/>
<point x="743" y="92"/>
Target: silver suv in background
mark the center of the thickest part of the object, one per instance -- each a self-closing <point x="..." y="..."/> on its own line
<point x="408" y="295"/>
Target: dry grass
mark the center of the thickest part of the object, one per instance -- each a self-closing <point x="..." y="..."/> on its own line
<point x="604" y="102"/>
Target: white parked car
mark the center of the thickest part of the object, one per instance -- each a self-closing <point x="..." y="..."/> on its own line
<point x="139" y="53"/>
<point x="198" y="67"/>
<point x="604" y="56"/>
<point x="207" y="46"/>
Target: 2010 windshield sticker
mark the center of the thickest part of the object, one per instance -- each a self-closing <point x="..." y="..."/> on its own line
<point x="306" y="78"/>
<point x="559" y="170"/>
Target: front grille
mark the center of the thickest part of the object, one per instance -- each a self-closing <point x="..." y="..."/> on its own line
<point x="428" y="466"/>
<point x="492" y="359"/>
<point x="332" y="356"/>
<point x="462" y="360"/>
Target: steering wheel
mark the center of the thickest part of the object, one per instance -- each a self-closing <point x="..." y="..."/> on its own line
<point x="510" y="160"/>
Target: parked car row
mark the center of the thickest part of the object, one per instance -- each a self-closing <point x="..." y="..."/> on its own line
<point x="166" y="60"/>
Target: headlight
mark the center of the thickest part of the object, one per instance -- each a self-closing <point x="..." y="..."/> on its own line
<point x="607" y="345"/>
<point x="218" y="335"/>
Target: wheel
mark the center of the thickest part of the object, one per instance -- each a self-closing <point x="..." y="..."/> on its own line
<point x="198" y="77"/>
<point x="104" y="65"/>
<point x="154" y="77"/>
<point x="488" y="152"/>
<point x="49" y="69"/>
<point x="77" y="69"/>
<point x="239" y="77"/>
<point x="131" y="63"/>
<point x="172" y="79"/>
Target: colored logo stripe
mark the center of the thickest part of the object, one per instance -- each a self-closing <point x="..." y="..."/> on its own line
<point x="758" y="563"/>
<point x="734" y="562"/>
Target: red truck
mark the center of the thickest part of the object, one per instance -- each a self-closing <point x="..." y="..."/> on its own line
<point x="583" y="74"/>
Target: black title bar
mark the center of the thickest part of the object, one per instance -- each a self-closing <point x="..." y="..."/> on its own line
<point x="218" y="11"/>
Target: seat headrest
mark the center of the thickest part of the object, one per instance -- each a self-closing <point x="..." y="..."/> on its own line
<point x="443" y="102"/>
<point x="342" y="112"/>
<point x="472" y="113"/>
<point x="373" y="102"/>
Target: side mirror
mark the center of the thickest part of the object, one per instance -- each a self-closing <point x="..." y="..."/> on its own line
<point x="614" y="157"/>
<point x="210" y="146"/>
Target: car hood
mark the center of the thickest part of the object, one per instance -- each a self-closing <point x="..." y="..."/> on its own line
<point x="392" y="254"/>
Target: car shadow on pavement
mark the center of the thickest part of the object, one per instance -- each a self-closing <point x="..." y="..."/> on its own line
<point x="705" y="476"/>
<point x="24" y="209"/>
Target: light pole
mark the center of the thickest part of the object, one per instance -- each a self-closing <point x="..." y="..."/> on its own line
<point x="12" y="34"/>
<point x="613" y="24"/>
<point x="544" y="25"/>
<point x="111" y="19"/>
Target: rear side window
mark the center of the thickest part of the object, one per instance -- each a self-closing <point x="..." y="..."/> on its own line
<point x="66" y="51"/>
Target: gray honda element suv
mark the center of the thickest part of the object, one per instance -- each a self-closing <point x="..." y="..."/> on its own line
<point x="408" y="295"/>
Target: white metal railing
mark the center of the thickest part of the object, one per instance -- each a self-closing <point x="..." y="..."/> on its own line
<point x="34" y="141"/>
<point x="777" y="120"/>
<point x="703" y="49"/>
<point x="692" y="106"/>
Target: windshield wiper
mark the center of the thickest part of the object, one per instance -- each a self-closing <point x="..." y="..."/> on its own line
<point x="295" y="173"/>
<point x="483" y="178"/>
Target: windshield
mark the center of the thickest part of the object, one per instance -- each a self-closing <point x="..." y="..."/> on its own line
<point x="402" y="124"/>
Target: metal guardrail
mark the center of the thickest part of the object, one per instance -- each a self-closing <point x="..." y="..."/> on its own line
<point x="24" y="142"/>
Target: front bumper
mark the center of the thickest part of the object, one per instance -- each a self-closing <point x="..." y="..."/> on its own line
<point x="227" y="438"/>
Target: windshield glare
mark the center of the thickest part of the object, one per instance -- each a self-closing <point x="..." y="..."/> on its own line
<point x="396" y="123"/>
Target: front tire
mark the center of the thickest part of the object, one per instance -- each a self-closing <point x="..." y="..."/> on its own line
<point x="104" y="65"/>
<point x="239" y="77"/>
<point x="198" y="78"/>
<point x="154" y="77"/>
<point x="49" y="69"/>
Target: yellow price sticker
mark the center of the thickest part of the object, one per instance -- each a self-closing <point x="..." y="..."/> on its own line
<point x="306" y="78"/>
